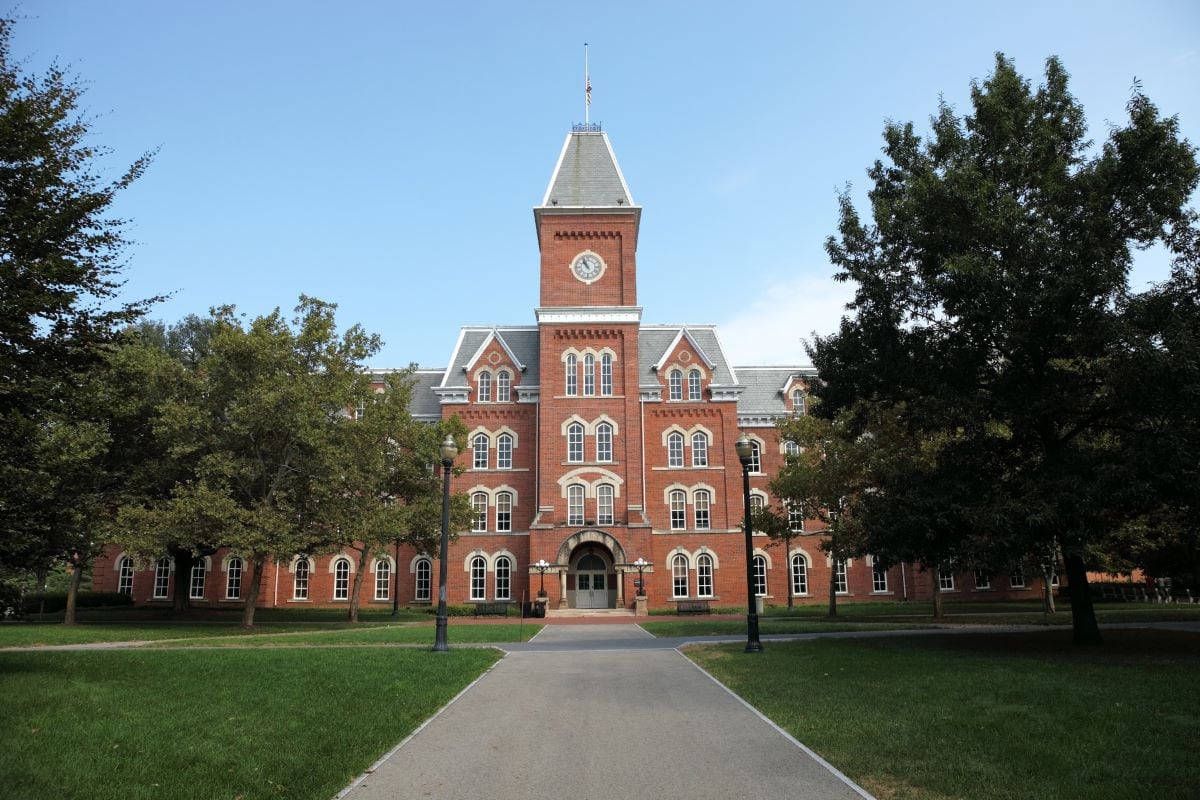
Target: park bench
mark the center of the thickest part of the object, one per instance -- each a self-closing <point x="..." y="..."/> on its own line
<point x="693" y="607"/>
<point x="491" y="609"/>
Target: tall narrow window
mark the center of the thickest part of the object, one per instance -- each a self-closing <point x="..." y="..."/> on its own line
<point x="383" y="580"/>
<point x="504" y="512"/>
<point x="799" y="575"/>
<point x="841" y="583"/>
<point x="125" y="575"/>
<point x="675" y="449"/>
<point x="503" y="386"/>
<point x="675" y="385"/>
<point x="479" y="447"/>
<point x="879" y="578"/>
<point x="694" y="385"/>
<point x="604" y="504"/>
<point x="233" y="579"/>
<point x="504" y="448"/>
<point x="699" y="449"/>
<point x="755" y="457"/>
<point x="589" y="375"/>
<point x="678" y="510"/>
<point x="572" y="375"/>
<point x="604" y="442"/>
<point x="575" y="443"/>
<point x="479" y="506"/>
<point x="424" y="581"/>
<point x="574" y="504"/>
<point x="757" y="502"/>
<point x="701" y="505"/>
<point x="162" y="578"/>
<point x="704" y="575"/>
<point x="196" y="589"/>
<point x="478" y="578"/>
<point x="300" y="580"/>
<point x="485" y="387"/>
<point x="503" y="578"/>
<point x="760" y="576"/>
<point x="679" y="576"/>
<point x="606" y="375"/>
<point x="795" y="518"/>
<point x="360" y="409"/>
<point x="341" y="579"/>
<point x="798" y="404"/>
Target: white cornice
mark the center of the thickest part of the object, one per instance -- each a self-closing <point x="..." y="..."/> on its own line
<point x="584" y="315"/>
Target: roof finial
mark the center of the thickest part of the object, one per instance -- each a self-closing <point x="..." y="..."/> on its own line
<point x="587" y="86"/>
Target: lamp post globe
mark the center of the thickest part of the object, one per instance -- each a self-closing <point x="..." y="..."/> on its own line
<point x="542" y="565"/>
<point x="745" y="454"/>
<point x="449" y="452"/>
<point x="641" y="565"/>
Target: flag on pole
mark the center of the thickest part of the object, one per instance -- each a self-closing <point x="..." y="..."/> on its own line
<point x="587" y="92"/>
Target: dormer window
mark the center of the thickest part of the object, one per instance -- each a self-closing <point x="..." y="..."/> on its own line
<point x="675" y="385"/>
<point x="694" y="385"/>
<point x="798" y="402"/>
<point x="484" y="394"/>
<point x="503" y="386"/>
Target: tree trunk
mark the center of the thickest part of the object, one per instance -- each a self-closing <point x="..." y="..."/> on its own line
<point x="41" y="574"/>
<point x="935" y="584"/>
<point x="832" y="588"/>
<point x="184" y="560"/>
<point x="364" y="553"/>
<point x="252" y="591"/>
<point x="73" y="588"/>
<point x="1047" y="591"/>
<point x="1083" y="613"/>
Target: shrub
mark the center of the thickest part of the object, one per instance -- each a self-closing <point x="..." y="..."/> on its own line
<point x="57" y="601"/>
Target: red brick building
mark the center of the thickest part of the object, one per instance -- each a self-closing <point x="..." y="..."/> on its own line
<point x="595" y="441"/>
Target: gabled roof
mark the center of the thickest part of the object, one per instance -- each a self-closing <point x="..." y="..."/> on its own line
<point x="521" y="342"/>
<point x="763" y="394"/>
<point x="656" y="341"/>
<point x="587" y="175"/>
<point x="684" y="333"/>
<point x="495" y="335"/>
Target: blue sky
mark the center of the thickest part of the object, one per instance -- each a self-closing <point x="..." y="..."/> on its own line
<point x="386" y="155"/>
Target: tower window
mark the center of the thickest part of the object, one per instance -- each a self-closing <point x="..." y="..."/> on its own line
<point x="606" y="375"/>
<point x="572" y="375"/>
<point x="589" y="375"/>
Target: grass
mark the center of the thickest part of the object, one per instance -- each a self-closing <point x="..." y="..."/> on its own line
<point x="225" y="724"/>
<point x="728" y="627"/>
<point x="17" y="634"/>
<point x="988" y="716"/>
<point x="390" y="634"/>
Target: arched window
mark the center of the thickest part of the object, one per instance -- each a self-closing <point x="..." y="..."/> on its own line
<point x="694" y="384"/>
<point x="791" y="448"/>
<point x="755" y="456"/>
<point x="799" y="574"/>
<point x="675" y="385"/>
<point x="504" y="450"/>
<point x="196" y="587"/>
<point x="300" y="580"/>
<point x="479" y="505"/>
<point x="604" y="442"/>
<point x="760" y="576"/>
<point x="341" y="579"/>
<point x="572" y="375"/>
<point x="589" y="375"/>
<point x="504" y="512"/>
<point x="424" y="582"/>
<point x="575" y="443"/>
<point x="574" y="504"/>
<point x="701" y="503"/>
<point x="125" y="575"/>
<point x="704" y="576"/>
<point x="503" y="386"/>
<point x="162" y="578"/>
<point x="233" y="579"/>
<point x="479" y="447"/>
<point x="699" y="449"/>
<point x="679" y="576"/>
<point x="798" y="404"/>
<point x="383" y="579"/>
<point x="678" y="510"/>
<point x="604" y="504"/>
<point x="606" y="375"/>
<point x="485" y="387"/>
<point x="757" y="502"/>
<point x="478" y="578"/>
<point x="675" y="449"/>
<point x="841" y="583"/>
<point x="503" y="578"/>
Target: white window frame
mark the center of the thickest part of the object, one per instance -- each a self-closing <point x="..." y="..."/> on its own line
<point x="162" y="578"/>
<point x="503" y="578"/>
<point x="484" y="392"/>
<point x="755" y="457"/>
<point x="125" y="575"/>
<point x="504" y="451"/>
<point x="479" y="512"/>
<point x="702" y="509"/>
<point x="503" y="386"/>
<point x="699" y="449"/>
<point x="480" y="445"/>
<point x="841" y="576"/>
<point x="606" y="375"/>
<point x="945" y="579"/>
<point x="799" y="406"/>
<point x="674" y="449"/>
<point x="679" y="576"/>
<point x="504" y="505"/>
<point x="677" y="503"/>
<point x="571" y="388"/>
<point x="589" y="375"/>
<point x="196" y="581"/>
<point x="604" y="504"/>
<point x="300" y="580"/>
<point x="694" y="393"/>
<point x="795" y="518"/>
<point x="423" y="583"/>
<point x="879" y="579"/>
<point x="575" y="443"/>
<point x="704" y="575"/>
<point x="575" y="494"/>
<point x="604" y="442"/>
<point x="983" y="579"/>
<point x="233" y="578"/>
<point x="799" y="575"/>
<point x="675" y="385"/>
<point x="341" y="578"/>
<point x="383" y="579"/>
<point x="760" y="576"/>
<point x="478" y="578"/>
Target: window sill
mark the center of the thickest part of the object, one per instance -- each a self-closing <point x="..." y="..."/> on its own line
<point x="882" y="591"/>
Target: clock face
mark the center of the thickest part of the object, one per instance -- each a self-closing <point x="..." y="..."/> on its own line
<point x="587" y="266"/>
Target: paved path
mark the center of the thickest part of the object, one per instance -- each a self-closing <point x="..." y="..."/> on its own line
<point x="591" y="712"/>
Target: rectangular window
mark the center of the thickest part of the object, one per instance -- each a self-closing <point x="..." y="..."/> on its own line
<point x="360" y="409"/>
<point x="196" y="591"/>
<point x="589" y="375"/>
<point x="704" y="577"/>
<point x="479" y="506"/>
<point x="879" y="581"/>
<point x="606" y="375"/>
<point x="383" y="580"/>
<point x="983" y="579"/>
<point x="1017" y="579"/>
<point x="478" y="579"/>
<point x="572" y="375"/>
<point x="574" y="505"/>
<point x="799" y="575"/>
<point x="699" y="450"/>
<point x="701" y="508"/>
<point x="233" y="579"/>
<point x="755" y="457"/>
<point x="504" y="512"/>
<point x="679" y="577"/>
<point x="604" y="505"/>
<point x="946" y="580"/>
<point x="675" y="450"/>
<point x="504" y="450"/>
<point x="575" y="443"/>
<point x="678" y="511"/>
<point x="841" y="584"/>
<point x="503" y="579"/>
<point x="480" y="452"/>
<point x="795" y="518"/>
<point x="162" y="578"/>
<point x="604" y="442"/>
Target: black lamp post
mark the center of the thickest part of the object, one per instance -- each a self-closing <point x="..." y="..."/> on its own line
<point x="449" y="453"/>
<point x="745" y="453"/>
<point x="641" y="565"/>
<point x="542" y="565"/>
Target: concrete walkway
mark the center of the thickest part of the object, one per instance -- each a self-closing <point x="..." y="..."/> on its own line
<point x="592" y="712"/>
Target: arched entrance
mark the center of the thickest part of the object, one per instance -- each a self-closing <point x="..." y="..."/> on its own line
<point x="589" y="562"/>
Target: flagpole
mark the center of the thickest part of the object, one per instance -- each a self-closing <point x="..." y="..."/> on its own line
<point x="586" y="99"/>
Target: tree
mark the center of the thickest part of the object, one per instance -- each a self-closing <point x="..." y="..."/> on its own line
<point x="987" y="316"/>
<point x="60" y="262"/>
<point x="260" y="421"/>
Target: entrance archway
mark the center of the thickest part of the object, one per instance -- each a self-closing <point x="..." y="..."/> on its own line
<point x="593" y="576"/>
<point x="588" y="569"/>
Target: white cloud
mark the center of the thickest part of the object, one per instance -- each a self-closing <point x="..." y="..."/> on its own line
<point x="771" y="330"/>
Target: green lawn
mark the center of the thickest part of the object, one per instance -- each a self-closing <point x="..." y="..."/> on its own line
<point x="987" y="716"/>
<point x="20" y="634"/>
<point x="465" y="633"/>
<point x="707" y="626"/>
<point x="264" y="723"/>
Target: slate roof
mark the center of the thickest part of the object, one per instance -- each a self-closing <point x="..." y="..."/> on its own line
<point x="653" y="341"/>
<point x="764" y="388"/>
<point x="521" y="340"/>
<point x="587" y="175"/>
<point x="424" y="402"/>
